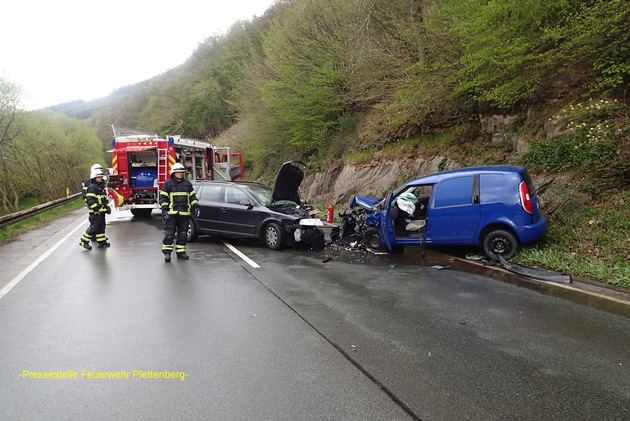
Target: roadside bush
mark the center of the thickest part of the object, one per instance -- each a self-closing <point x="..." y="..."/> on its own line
<point x="593" y="134"/>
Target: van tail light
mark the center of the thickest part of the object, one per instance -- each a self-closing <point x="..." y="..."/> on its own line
<point x="525" y="199"/>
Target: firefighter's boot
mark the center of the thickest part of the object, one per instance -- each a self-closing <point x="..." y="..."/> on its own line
<point x="85" y="245"/>
<point x="182" y="255"/>
<point x="103" y="244"/>
<point x="167" y="257"/>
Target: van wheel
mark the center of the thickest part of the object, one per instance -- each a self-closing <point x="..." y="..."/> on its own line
<point x="191" y="233"/>
<point x="500" y="242"/>
<point x="372" y="240"/>
<point x="274" y="236"/>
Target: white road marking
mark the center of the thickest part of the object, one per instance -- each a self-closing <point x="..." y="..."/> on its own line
<point x="241" y="255"/>
<point x="8" y="287"/>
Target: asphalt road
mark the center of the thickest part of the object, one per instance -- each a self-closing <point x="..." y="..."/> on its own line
<point x="325" y="336"/>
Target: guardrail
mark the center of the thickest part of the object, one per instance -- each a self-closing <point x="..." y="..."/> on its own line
<point x="13" y="218"/>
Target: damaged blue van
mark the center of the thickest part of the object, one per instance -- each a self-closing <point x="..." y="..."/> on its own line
<point x="493" y="207"/>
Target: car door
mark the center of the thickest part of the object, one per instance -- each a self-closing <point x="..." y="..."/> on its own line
<point x="209" y="197"/>
<point x="386" y="230"/>
<point x="454" y="212"/>
<point x="235" y="216"/>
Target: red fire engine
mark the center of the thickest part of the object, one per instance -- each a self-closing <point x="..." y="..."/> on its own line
<point x="141" y="164"/>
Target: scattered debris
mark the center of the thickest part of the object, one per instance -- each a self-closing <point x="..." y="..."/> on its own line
<point x="542" y="274"/>
<point x="326" y="259"/>
<point x="475" y="257"/>
<point x="439" y="267"/>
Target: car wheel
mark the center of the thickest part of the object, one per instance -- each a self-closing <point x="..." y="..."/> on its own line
<point x="191" y="233"/>
<point x="500" y="242"/>
<point x="372" y="240"/>
<point x="274" y="236"/>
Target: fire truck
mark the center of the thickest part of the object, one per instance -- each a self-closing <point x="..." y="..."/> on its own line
<point x="141" y="164"/>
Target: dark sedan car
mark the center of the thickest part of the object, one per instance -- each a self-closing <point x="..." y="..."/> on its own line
<point x="253" y="210"/>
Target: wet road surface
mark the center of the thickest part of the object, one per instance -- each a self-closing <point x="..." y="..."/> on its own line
<point x="304" y="336"/>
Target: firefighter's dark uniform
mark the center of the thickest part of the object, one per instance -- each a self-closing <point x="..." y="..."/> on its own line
<point x="84" y="187"/>
<point x="96" y="201"/>
<point x="178" y="199"/>
<point x="86" y="184"/>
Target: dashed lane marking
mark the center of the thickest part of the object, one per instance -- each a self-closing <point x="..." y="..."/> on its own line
<point x="242" y="255"/>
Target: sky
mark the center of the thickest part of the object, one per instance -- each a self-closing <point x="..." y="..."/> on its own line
<point x="64" y="50"/>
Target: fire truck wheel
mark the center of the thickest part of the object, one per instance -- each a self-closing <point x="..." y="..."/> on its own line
<point x="192" y="232"/>
<point x="274" y="236"/>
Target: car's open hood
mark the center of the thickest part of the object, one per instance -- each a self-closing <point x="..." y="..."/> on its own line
<point x="288" y="181"/>
<point x="366" y="202"/>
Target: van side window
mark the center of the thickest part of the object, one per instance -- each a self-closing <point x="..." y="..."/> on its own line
<point x="211" y="193"/>
<point x="454" y="192"/>
<point x="491" y="188"/>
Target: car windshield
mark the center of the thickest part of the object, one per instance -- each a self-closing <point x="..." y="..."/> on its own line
<point x="261" y="193"/>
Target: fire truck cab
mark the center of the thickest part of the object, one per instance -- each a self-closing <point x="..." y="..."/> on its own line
<point x="141" y="165"/>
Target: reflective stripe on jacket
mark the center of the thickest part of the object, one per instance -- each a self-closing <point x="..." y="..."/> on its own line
<point x="96" y="198"/>
<point x="178" y="197"/>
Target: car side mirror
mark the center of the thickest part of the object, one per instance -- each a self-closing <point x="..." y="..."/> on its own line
<point x="246" y="203"/>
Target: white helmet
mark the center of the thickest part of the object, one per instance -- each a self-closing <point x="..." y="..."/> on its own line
<point x="177" y="168"/>
<point x="96" y="167"/>
<point x="97" y="173"/>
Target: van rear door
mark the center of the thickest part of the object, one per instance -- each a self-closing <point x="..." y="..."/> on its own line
<point x="454" y="211"/>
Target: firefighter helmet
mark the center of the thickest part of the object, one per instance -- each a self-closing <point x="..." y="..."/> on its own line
<point x="96" y="167"/>
<point x="177" y="168"/>
<point x="97" y="173"/>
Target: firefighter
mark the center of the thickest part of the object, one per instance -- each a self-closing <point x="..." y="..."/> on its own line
<point x="97" y="203"/>
<point x="86" y="183"/>
<point x="177" y="199"/>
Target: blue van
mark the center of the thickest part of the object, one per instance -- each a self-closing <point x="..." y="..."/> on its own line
<point x="494" y="207"/>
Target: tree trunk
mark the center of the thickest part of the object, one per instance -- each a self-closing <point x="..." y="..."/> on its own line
<point x="416" y="8"/>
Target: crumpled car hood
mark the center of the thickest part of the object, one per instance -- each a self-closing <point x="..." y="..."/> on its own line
<point x="366" y="202"/>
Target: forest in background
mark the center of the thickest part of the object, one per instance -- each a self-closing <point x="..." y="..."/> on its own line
<point x="329" y="81"/>
<point x="321" y="79"/>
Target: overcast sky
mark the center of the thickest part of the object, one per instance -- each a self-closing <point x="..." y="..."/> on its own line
<point x="63" y="50"/>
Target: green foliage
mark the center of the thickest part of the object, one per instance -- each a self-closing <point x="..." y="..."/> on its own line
<point x="52" y="153"/>
<point x="565" y="153"/>
<point x="576" y="264"/>
<point x="362" y="156"/>
<point x="305" y="78"/>
<point x="592" y="138"/>
<point x="591" y="241"/>
<point x="504" y="52"/>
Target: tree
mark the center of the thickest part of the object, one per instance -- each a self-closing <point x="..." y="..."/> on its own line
<point x="54" y="152"/>
<point x="10" y="113"/>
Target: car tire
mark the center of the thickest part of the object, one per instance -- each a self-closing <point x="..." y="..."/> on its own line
<point x="274" y="236"/>
<point x="500" y="242"/>
<point x="372" y="240"/>
<point x="191" y="234"/>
